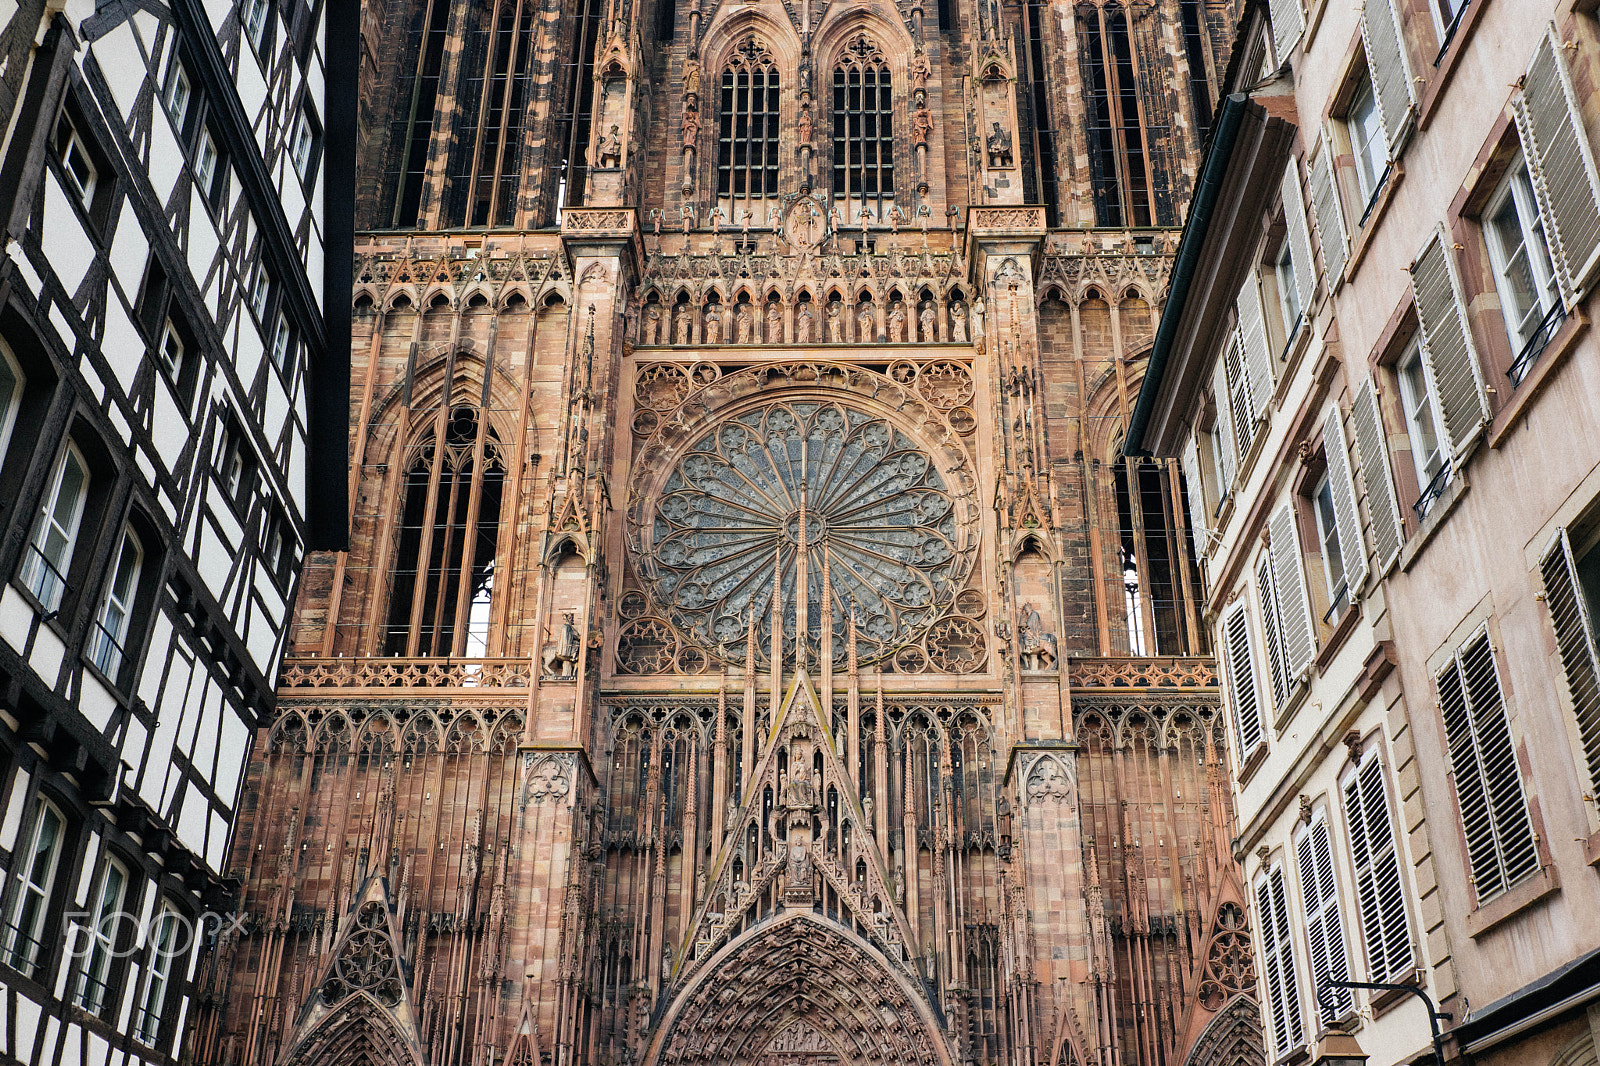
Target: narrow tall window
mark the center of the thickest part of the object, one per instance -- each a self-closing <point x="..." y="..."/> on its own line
<point x="448" y="536"/>
<point x="1520" y="252"/>
<point x="1194" y="51"/>
<point x="747" y="130"/>
<point x="100" y="938"/>
<point x="76" y="159"/>
<point x="1118" y="171"/>
<point x="1380" y="888"/>
<point x="1368" y="145"/>
<point x="107" y="645"/>
<point x="863" y="130"/>
<point x="1422" y="426"/>
<point x="1279" y="981"/>
<point x="164" y="947"/>
<point x="37" y="863"/>
<point x="1322" y="505"/>
<point x="1483" y="764"/>
<point x="11" y="383"/>
<point x="49" y="555"/>
<point x="1319" y="891"/>
<point x="498" y="82"/>
<point x="412" y="136"/>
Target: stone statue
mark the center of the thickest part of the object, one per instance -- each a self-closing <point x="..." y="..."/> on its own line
<point x="900" y="885"/>
<point x="681" y="326"/>
<point x="562" y="659"/>
<point x="1036" y="647"/>
<point x="691" y="126"/>
<point x="919" y="73"/>
<point x="977" y="321"/>
<point x="802" y="325"/>
<point x="652" y="324"/>
<point x="897" y="323"/>
<point x="866" y="325"/>
<point x="713" y="326"/>
<point x="799" y="866"/>
<point x="866" y="807"/>
<point x="774" y="323"/>
<point x="1002" y="811"/>
<point x="999" y="147"/>
<point x="958" y="322"/>
<point x="835" y="323"/>
<point x="927" y="321"/>
<point x="611" y="149"/>
<point x="921" y="124"/>
<point x="797" y="791"/>
<point x="691" y="80"/>
<point x="745" y="324"/>
<point x="803" y="128"/>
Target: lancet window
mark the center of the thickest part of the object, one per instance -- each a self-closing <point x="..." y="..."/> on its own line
<point x="498" y="81"/>
<point x="444" y="563"/>
<point x="747" y="131"/>
<point x="863" y="130"/>
<point x="1119" y="172"/>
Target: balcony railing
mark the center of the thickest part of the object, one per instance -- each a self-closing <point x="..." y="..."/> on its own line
<point x="1435" y="488"/>
<point x="1138" y="672"/>
<point x="397" y="673"/>
<point x="1548" y="327"/>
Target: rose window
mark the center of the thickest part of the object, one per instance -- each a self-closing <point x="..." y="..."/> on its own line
<point x="725" y="534"/>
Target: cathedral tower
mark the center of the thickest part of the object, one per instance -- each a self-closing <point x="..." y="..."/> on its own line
<point x="753" y="646"/>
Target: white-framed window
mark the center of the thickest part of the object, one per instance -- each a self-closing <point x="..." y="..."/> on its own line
<point x="207" y="163"/>
<point x="12" y="381"/>
<point x="1279" y="980"/>
<point x="1319" y="893"/>
<point x="178" y="96"/>
<point x="76" y="159"/>
<point x="303" y="146"/>
<point x="235" y="463"/>
<point x="107" y="647"/>
<point x="1375" y="857"/>
<point x="1283" y="269"/>
<point x="1519" y="251"/>
<point x="164" y="949"/>
<point x="49" y="556"/>
<point x="253" y="19"/>
<point x="1501" y="848"/>
<point x="261" y="294"/>
<point x="100" y="944"/>
<point x="1446" y="13"/>
<point x="1328" y="539"/>
<point x="1369" y="148"/>
<point x="38" y="862"/>
<point x="170" y="350"/>
<point x="1422" y="421"/>
<point x="282" y="348"/>
<point x="1570" y="568"/>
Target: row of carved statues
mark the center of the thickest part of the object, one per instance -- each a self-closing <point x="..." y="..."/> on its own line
<point x="929" y="321"/>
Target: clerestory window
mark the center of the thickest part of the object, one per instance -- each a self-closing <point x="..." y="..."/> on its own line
<point x="747" y="130"/>
<point x="1119" y="172"/>
<point x="863" y="130"/>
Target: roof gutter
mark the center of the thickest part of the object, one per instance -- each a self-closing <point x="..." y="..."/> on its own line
<point x="1212" y="172"/>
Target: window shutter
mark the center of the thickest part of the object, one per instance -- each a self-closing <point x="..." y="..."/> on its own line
<point x="1277" y="667"/>
<point x="1383" y="508"/>
<point x="1447" y="349"/>
<point x="1562" y="164"/>
<point x="1391" y="73"/>
<point x="1483" y="761"/>
<point x="1575" y="639"/>
<point x="1346" y="517"/>
<point x="1257" y="352"/>
<point x="1379" y="889"/>
<point x="1294" y="213"/>
<point x="1288" y="581"/>
<point x="1287" y="24"/>
<point x="1229" y="459"/>
<point x="1241" y="405"/>
<point x="1330" y="217"/>
<point x="1196" y="493"/>
<point x="1330" y="961"/>
<point x="1277" y="953"/>
<point x="1240" y="673"/>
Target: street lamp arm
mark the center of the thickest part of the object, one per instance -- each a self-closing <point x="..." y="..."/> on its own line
<point x="1435" y="1015"/>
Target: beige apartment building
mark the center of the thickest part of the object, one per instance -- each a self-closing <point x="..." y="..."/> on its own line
<point x="1377" y="368"/>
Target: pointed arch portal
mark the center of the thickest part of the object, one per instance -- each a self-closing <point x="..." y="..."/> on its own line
<point x="799" y="990"/>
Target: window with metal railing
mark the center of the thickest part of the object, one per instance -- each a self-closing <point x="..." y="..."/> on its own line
<point x="37" y="863"/>
<point x="49" y="555"/>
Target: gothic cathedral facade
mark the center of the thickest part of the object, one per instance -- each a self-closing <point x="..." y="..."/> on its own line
<point x="753" y="646"/>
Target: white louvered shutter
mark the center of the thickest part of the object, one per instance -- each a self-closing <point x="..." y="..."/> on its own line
<point x="1483" y="761"/>
<point x="1566" y="599"/>
<point x="1277" y="664"/>
<point x="1331" y="235"/>
<point x="1228" y="456"/>
<point x="1383" y="507"/>
<point x="1257" y="352"/>
<point x="1288" y="581"/>
<point x="1195" y="490"/>
<point x="1380" y="892"/>
<point x="1562" y="165"/>
<point x="1347" y="518"/>
<point x="1241" y="404"/>
<point x="1278" y="977"/>
<point x="1330" y="960"/>
<point x="1447" y="348"/>
<point x="1390" y="71"/>
<point x="1294" y="214"/>
<point x="1288" y="23"/>
<point x="1239" y="671"/>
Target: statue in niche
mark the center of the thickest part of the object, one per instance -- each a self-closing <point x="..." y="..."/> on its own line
<point x="799" y="866"/>
<point x="921" y="124"/>
<point x="835" y="323"/>
<point x="958" y="322"/>
<point x="713" y="326"/>
<point x="562" y="659"/>
<point x="999" y="144"/>
<point x="803" y="127"/>
<point x="897" y="323"/>
<point x="774" y="323"/>
<point x="977" y="322"/>
<point x="745" y="324"/>
<point x="927" y="321"/>
<point x="652" y="323"/>
<point x="681" y="326"/>
<point x="691" y="125"/>
<point x="1037" y="648"/>
<point x="802" y="325"/>
<point x="691" y="80"/>
<point x="611" y="150"/>
<point x="797" y="791"/>
<point x="919" y="74"/>
<point x="866" y="325"/>
<point x="900" y="885"/>
<point x="1002" y="812"/>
